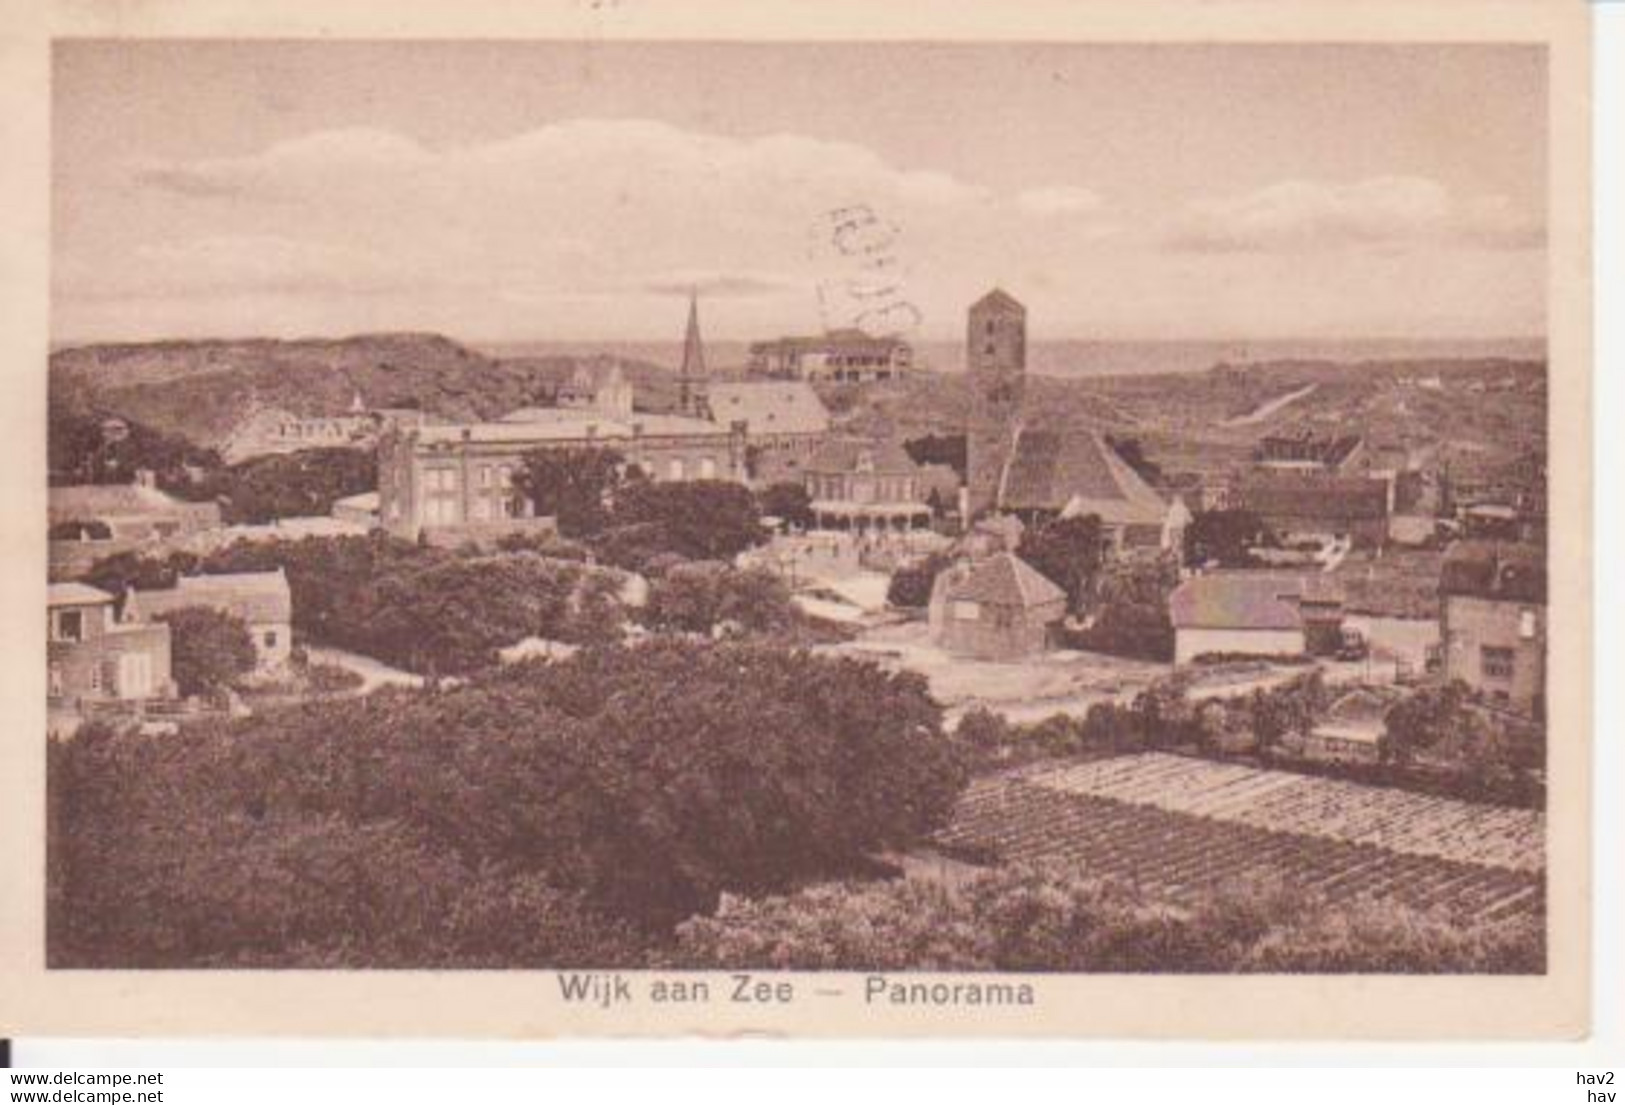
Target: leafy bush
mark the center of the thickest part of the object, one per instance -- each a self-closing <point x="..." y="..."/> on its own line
<point x="534" y="816"/>
<point x="1047" y="919"/>
<point x="910" y="586"/>
<point x="209" y="649"/>
<point x="429" y="610"/>
<point x="705" y="596"/>
<point x="700" y="519"/>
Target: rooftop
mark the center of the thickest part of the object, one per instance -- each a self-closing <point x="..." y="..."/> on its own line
<point x="84" y="501"/>
<point x="75" y="594"/>
<point x="256" y="597"/>
<point x="883" y="457"/>
<point x="1006" y="580"/>
<point x="1077" y="473"/>
<point x="1244" y="600"/>
<point x="1508" y="571"/>
<point x="769" y="406"/>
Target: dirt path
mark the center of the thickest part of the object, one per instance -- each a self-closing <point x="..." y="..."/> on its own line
<point x="1264" y="410"/>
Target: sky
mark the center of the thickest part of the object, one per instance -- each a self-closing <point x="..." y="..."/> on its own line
<point x="577" y="191"/>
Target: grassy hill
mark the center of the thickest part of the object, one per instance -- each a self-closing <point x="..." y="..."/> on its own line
<point x="201" y="389"/>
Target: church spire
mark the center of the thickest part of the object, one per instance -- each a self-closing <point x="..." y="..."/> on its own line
<point x="691" y="376"/>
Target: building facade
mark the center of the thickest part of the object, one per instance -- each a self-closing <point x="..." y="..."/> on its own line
<point x="840" y="356"/>
<point x="996" y="366"/>
<point x="94" y="658"/>
<point x="460" y="479"/>
<point x="785" y="421"/>
<point x="92" y="521"/>
<point x="1000" y="608"/>
<point x="261" y="600"/>
<point x="1492" y="621"/>
<point x="1254" y="614"/>
<point x="1294" y="504"/>
<point x="862" y="484"/>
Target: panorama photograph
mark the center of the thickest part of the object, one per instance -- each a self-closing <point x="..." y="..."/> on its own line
<point x="877" y="507"/>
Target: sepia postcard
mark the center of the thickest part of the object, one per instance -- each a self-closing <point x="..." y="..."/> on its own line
<point x="872" y="520"/>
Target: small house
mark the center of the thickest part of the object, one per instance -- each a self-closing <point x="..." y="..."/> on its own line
<point x="999" y="609"/>
<point x="1255" y="614"/>
<point x="262" y="600"/>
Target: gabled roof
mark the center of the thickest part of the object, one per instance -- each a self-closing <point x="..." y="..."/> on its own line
<point x="1326" y="498"/>
<point x="75" y="594"/>
<point x="1006" y="580"/>
<point x="1078" y="473"/>
<point x="885" y="457"/>
<point x="1494" y="570"/>
<point x="1238" y="600"/>
<point x="110" y="500"/>
<point x="769" y="406"/>
<point x="255" y="597"/>
<point x="1000" y="299"/>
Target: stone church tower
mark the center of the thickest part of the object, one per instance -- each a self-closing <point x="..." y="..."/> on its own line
<point x="996" y="363"/>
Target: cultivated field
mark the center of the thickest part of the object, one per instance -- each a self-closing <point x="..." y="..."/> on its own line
<point x="1184" y="828"/>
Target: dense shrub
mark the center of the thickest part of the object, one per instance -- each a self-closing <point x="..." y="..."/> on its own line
<point x="910" y="586"/>
<point x="632" y="784"/>
<point x="292" y="485"/>
<point x="708" y="596"/>
<point x="1036" y="919"/>
<point x="700" y="519"/>
<point x="209" y="649"/>
<point x="429" y="610"/>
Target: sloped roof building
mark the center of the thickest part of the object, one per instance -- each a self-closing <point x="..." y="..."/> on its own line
<point x="1001" y="608"/>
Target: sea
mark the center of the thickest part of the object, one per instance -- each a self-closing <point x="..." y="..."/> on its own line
<point x="1082" y="358"/>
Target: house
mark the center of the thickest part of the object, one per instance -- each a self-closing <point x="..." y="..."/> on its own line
<point x="839" y="356"/>
<point x="1492" y="621"/>
<point x="262" y="600"/>
<point x="785" y="424"/>
<point x="456" y="482"/>
<point x="93" y="658"/>
<point x="1351" y="730"/>
<point x="266" y="430"/>
<point x="1062" y="473"/>
<point x="1255" y="614"/>
<point x="92" y="521"/>
<point x="1294" y="504"/>
<point x="1001" y="608"/>
<point x="862" y="484"/>
<point x="1307" y="452"/>
<point x="459" y="479"/>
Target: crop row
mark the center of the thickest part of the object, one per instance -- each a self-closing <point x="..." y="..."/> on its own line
<point x="1184" y="858"/>
<point x="1401" y="821"/>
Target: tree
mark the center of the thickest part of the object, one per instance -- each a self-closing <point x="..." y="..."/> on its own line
<point x="1069" y="551"/>
<point x="1432" y="717"/>
<point x="948" y="449"/>
<point x="1224" y="538"/>
<point x="702" y="596"/>
<point x="627" y="786"/>
<point x="209" y="649"/>
<point x="291" y="485"/>
<point x="702" y="519"/>
<point x="911" y="585"/>
<point x="574" y="485"/>
<point x="790" y="502"/>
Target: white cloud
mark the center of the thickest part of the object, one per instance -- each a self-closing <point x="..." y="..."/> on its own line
<point x="1391" y="212"/>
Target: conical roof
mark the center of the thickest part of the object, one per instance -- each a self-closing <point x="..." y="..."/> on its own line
<point x="693" y="350"/>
